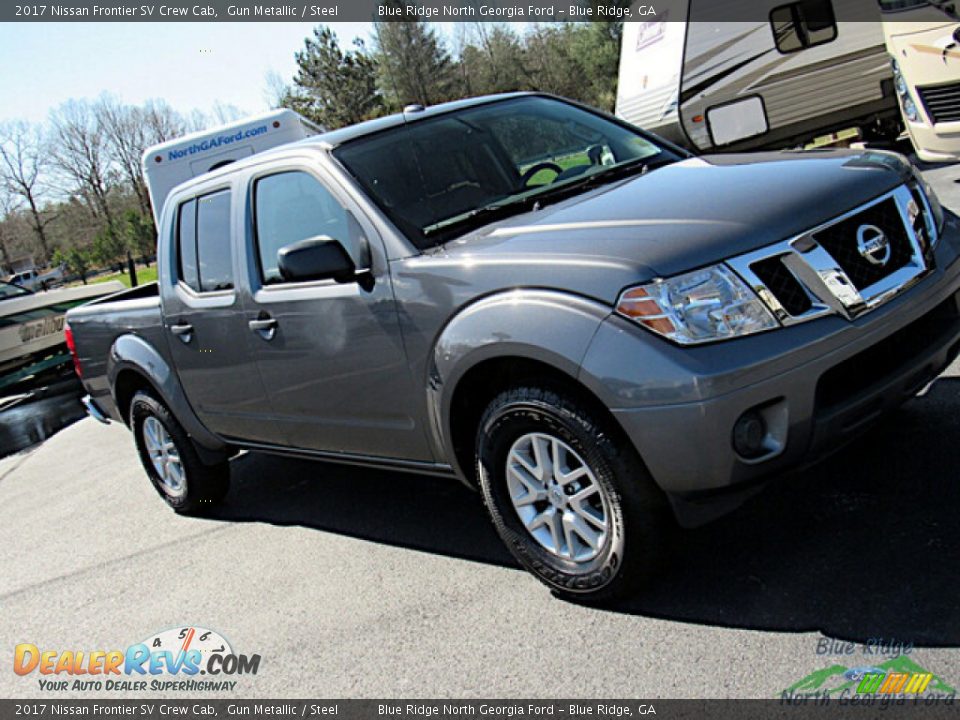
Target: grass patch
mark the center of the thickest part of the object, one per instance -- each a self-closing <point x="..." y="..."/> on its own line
<point x="144" y="275"/>
<point x="565" y="163"/>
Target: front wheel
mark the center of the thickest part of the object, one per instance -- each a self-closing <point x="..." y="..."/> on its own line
<point x="171" y="460"/>
<point x="568" y="495"/>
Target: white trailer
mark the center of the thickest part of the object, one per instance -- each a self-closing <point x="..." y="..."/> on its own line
<point x="799" y="73"/>
<point x="168" y="164"/>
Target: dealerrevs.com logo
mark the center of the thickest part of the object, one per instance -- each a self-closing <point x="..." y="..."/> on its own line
<point x="187" y="659"/>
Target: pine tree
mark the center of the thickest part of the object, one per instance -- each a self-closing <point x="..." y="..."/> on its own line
<point x="334" y="87"/>
<point x="414" y="65"/>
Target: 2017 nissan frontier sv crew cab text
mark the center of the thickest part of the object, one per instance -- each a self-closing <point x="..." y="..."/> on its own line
<point x="598" y="331"/>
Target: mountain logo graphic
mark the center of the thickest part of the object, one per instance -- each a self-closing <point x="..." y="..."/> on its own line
<point x="899" y="675"/>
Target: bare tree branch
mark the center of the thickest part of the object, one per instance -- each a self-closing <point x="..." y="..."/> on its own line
<point x="23" y="162"/>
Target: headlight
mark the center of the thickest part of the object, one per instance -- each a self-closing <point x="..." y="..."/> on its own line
<point x="900" y="84"/>
<point x="697" y="307"/>
<point x="910" y="110"/>
<point x="934" y="223"/>
<point x="909" y="107"/>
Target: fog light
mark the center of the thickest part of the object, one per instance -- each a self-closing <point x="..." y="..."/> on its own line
<point x="749" y="435"/>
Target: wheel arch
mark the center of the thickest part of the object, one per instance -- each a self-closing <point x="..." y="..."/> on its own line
<point x="504" y="339"/>
<point x="485" y="380"/>
<point x="136" y="365"/>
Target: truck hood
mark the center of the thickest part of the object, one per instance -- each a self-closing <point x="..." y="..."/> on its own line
<point x="685" y="215"/>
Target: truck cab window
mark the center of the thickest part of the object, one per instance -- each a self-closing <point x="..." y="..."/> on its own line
<point x="293" y="206"/>
<point x="187" y="245"/>
<point x="803" y="25"/>
<point x="214" y="262"/>
<point x="203" y="243"/>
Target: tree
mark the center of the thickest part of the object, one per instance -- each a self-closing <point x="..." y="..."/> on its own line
<point x="492" y="61"/>
<point x="162" y="122"/>
<point x="275" y="89"/>
<point x="77" y="261"/>
<point x="597" y="45"/>
<point x="414" y="66"/>
<point x="81" y="152"/>
<point x="109" y="247"/>
<point x="7" y="206"/>
<point x="333" y="87"/>
<point x="138" y="234"/>
<point x="127" y="134"/>
<point x="23" y="163"/>
<point x="224" y="113"/>
<point x="553" y="63"/>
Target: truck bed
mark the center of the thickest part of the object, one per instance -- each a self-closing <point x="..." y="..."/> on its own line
<point x="97" y="325"/>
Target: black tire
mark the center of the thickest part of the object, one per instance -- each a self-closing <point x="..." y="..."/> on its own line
<point x="638" y="524"/>
<point x="203" y="486"/>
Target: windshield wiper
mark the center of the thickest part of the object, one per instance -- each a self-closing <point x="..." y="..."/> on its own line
<point x="503" y="208"/>
<point x="605" y="175"/>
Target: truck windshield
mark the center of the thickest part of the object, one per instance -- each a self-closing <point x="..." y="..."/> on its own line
<point x="436" y="177"/>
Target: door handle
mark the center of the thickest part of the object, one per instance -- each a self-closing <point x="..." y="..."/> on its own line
<point x="184" y="331"/>
<point x="264" y="327"/>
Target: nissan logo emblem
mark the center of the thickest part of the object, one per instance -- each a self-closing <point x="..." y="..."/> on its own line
<point x="873" y="245"/>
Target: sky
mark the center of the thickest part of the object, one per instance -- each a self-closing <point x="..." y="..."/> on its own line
<point x="190" y="65"/>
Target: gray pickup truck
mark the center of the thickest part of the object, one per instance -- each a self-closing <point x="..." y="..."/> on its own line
<point x="600" y="332"/>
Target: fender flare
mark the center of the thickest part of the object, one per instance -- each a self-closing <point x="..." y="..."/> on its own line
<point x="131" y="352"/>
<point x="551" y="327"/>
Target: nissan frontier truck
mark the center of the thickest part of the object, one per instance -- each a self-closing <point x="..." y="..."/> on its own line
<point x="600" y="332"/>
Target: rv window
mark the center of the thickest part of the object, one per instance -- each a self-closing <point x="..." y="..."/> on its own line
<point x="294" y="206"/>
<point x="187" y="245"/>
<point x="213" y="242"/>
<point x="802" y="25"/>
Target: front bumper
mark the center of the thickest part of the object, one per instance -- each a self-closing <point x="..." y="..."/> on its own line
<point x="936" y="143"/>
<point x="827" y="379"/>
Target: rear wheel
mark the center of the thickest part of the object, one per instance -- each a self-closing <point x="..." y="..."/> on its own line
<point x="171" y="461"/>
<point x="568" y="495"/>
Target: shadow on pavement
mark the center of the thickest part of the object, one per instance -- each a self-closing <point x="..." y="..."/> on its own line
<point x="33" y="414"/>
<point x="435" y="515"/>
<point x="864" y="546"/>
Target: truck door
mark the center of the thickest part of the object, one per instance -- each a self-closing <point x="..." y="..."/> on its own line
<point x="204" y="318"/>
<point x="331" y="355"/>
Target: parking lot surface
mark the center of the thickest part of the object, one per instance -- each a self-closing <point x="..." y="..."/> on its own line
<point x="357" y="583"/>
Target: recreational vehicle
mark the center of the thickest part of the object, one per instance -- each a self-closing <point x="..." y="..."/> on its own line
<point x="167" y="165"/>
<point x="795" y="71"/>
<point x="924" y="43"/>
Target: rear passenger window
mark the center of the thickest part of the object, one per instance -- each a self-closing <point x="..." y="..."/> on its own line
<point x="213" y="242"/>
<point x="203" y="239"/>
<point x="292" y="206"/>
<point x="187" y="245"/>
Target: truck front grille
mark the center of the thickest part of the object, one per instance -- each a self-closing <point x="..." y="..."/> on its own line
<point x="782" y="283"/>
<point x="840" y="241"/>
<point x="942" y="102"/>
<point x="847" y="266"/>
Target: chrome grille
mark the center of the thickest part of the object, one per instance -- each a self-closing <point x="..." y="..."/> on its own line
<point x="828" y="270"/>
<point x="784" y="286"/>
<point x="942" y="102"/>
<point x="840" y="240"/>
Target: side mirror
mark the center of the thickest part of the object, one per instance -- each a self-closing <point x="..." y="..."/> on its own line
<point x="316" y="258"/>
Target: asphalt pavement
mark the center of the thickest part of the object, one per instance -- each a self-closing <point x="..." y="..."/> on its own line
<point x="357" y="583"/>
